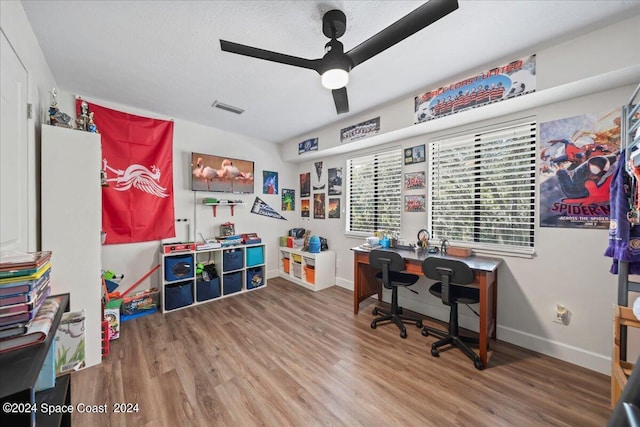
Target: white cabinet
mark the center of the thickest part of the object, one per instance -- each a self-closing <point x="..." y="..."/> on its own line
<point x="239" y="269"/>
<point x="71" y="220"/>
<point x="312" y="271"/>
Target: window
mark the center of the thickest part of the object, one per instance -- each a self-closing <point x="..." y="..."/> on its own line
<point x="482" y="189"/>
<point x="374" y="192"/>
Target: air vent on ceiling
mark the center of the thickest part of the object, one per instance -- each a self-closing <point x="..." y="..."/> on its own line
<point x="227" y="107"/>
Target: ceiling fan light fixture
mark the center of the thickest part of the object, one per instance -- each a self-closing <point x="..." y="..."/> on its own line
<point x="335" y="78"/>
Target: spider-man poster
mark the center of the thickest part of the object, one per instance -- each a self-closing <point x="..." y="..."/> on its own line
<point x="137" y="163"/>
<point x="577" y="161"/>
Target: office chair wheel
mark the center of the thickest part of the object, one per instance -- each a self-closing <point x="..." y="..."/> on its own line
<point x="403" y="334"/>
<point x="375" y="311"/>
<point x="425" y="333"/>
<point x="477" y="363"/>
<point x="435" y="352"/>
<point x="419" y="324"/>
<point x="373" y="325"/>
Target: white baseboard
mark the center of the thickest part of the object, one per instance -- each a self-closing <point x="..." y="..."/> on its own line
<point x="577" y="356"/>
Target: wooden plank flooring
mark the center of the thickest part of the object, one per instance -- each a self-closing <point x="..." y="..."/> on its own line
<point x="285" y="356"/>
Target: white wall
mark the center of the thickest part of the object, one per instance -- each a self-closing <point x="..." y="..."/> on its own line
<point x="568" y="266"/>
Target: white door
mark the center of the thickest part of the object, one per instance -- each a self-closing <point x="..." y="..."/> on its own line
<point x="14" y="171"/>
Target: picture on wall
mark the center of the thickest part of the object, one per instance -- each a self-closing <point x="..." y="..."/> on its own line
<point x="361" y="130"/>
<point x="288" y="199"/>
<point x="304" y="208"/>
<point x="415" y="203"/>
<point x="318" y="206"/>
<point x="319" y="184"/>
<point x="305" y="184"/>
<point x="308" y="145"/>
<point x="414" y="155"/>
<point x="221" y="174"/>
<point x="334" y="207"/>
<point x="269" y="182"/>
<point x="335" y="181"/>
<point x="577" y="160"/>
<point x="414" y="180"/>
<point x="497" y="84"/>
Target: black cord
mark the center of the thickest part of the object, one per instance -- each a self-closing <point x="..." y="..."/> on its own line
<point x="475" y="312"/>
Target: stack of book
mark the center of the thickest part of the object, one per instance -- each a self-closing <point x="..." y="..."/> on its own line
<point x="24" y="286"/>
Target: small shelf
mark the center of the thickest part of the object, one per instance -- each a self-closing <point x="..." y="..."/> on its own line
<point x="313" y="271"/>
<point x="236" y="268"/>
<point x="216" y="204"/>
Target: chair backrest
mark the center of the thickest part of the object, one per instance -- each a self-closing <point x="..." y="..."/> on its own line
<point x="386" y="261"/>
<point x="448" y="271"/>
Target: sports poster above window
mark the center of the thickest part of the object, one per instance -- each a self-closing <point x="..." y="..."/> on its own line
<point x="308" y="145"/>
<point x="497" y="84"/>
<point x="577" y="162"/>
<point x="361" y="130"/>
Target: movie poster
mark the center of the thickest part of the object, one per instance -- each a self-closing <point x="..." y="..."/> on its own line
<point x="577" y="162"/>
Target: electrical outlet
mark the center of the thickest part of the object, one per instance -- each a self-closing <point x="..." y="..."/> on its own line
<point x="563" y="314"/>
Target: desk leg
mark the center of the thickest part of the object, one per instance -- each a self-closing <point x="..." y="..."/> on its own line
<point x="488" y="305"/>
<point x="365" y="284"/>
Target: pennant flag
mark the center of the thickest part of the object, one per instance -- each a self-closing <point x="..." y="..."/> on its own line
<point x="261" y="208"/>
<point x="137" y="163"/>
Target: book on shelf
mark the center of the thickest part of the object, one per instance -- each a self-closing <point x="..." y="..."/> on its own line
<point x="38" y="297"/>
<point x="37" y="331"/>
<point x="47" y="376"/>
<point x="12" y="317"/>
<point x="31" y="279"/>
<point x="16" y="264"/>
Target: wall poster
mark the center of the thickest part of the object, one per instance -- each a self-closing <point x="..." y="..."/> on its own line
<point x="305" y="184"/>
<point x="577" y="160"/>
<point x="335" y="181"/>
<point x="318" y="206"/>
<point x="497" y="84"/>
<point x="288" y="199"/>
<point x="304" y="208"/>
<point x="334" y="207"/>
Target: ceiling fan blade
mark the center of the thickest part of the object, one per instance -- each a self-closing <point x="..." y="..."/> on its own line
<point x="341" y="100"/>
<point x="415" y="21"/>
<point x="254" y="52"/>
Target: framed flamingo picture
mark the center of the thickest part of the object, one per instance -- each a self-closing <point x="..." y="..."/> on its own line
<point x="219" y="174"/>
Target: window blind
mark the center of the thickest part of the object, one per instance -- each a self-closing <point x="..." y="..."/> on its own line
<point x="374" y="186"/>
<point x="482" y="188"/>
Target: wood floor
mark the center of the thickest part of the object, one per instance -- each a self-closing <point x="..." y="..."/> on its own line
<point x="285" y="356"/>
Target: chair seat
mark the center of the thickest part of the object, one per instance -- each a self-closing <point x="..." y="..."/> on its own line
<point x="460" y="294"/>
<point x="398" y="278"/>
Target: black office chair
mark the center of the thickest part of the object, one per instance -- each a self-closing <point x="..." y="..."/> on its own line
<point x="391" y="265"/>
<point x="451" y="289"/>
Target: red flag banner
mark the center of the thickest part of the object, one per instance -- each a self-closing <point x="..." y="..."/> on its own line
<point x="137" y="158"/>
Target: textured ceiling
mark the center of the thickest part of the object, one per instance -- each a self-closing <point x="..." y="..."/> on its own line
<point x="165" y="57"/>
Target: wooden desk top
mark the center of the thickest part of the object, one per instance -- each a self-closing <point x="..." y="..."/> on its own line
<point x="474" y="261"/>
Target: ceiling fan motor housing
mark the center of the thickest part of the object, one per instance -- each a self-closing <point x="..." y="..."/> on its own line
<point x="334" y="24"/>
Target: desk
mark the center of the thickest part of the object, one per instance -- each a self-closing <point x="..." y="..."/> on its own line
<point x="486" y="278"/>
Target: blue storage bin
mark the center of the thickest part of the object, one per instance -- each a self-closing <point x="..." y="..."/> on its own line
<point x="232" y="283"/>
<point x="207" y="289"/>
<point x="178" y="295"/>
<point x="255" y="277"/>
<point x="232" y="260"/>
<point x="178" y="267"/>
<point x="255" y="256"/>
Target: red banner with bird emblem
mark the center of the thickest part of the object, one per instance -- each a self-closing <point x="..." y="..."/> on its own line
<point x="137" y="173"/>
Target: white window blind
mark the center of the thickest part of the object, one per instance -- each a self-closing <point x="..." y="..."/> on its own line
<point x="374" y="186"/>
<point x="482" y="189"/>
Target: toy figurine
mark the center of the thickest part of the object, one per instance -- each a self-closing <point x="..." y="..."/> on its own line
<point x="92" y="126"/>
